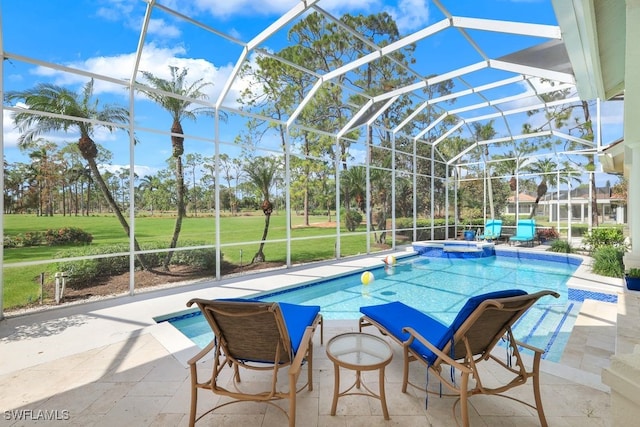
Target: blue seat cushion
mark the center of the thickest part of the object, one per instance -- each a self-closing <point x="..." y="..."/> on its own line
<point x="521" y="238"/>
<point x="473" y="303"/>
<point x="395" y="316"/>
<point x="297" y="317"/>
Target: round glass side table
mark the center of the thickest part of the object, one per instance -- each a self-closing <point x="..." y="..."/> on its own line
<point x="359" y="352"/>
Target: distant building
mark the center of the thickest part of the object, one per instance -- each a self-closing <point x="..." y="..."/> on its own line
<point x="525" y="204"/>
<point x="612" y="208"/>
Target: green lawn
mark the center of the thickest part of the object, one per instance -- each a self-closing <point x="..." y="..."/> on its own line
<point x="21" y="283"/>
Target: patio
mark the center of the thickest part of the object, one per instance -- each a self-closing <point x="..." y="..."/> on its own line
<point x="109" y="363"/>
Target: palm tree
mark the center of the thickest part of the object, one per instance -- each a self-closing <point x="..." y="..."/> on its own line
<point x="163" y="92"/>
<point x="544" y="167"/>
<point x="354" y="183"/>
<point x="510" y="163"/>
<point x="78" y="109"/>
<point x="262" y="172"/>
<point x="485" y="133"/>
<point x="380" y="184"/>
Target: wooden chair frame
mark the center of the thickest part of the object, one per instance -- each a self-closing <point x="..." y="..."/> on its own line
<point x="473" y="343"/>
<point x="251" y="335"/>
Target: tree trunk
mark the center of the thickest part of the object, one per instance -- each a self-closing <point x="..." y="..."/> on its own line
<point x="107" y="194"/>
<point x="259" y="256"/>
<point x="181" y="212"/>
<point x="492" y="211"/>
<point x="594" y="202"/>
<point x="542" y="190"/>
<point x="306" y="202"/>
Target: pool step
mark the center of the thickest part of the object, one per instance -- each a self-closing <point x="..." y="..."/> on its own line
<point x="460" y="248"/>
<point x="454" y="249"/>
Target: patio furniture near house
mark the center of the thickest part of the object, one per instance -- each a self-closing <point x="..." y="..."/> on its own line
<point x="359" y="352"/>
<point x="525" y="231"/>
<point x="255" y="336"/>
<point x="468" y="341"/>
<point x="492" y="230"/>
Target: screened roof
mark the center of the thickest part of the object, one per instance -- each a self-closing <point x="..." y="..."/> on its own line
<point x="464" y="68"/>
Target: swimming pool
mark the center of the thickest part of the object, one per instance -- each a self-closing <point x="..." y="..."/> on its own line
<point x="440" y="287"/>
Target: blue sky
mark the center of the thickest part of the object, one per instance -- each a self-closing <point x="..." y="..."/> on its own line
<point x="101" y="36"/>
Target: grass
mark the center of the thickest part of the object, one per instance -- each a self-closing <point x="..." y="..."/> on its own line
<point x="21" y="285"/>
<point x="233" y="231"/>
<point x="239" y="236"/>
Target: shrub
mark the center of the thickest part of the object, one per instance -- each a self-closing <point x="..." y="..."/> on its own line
<point x="11" y="241"/>
<point x="30" y="238"/>
<point x="82" y="273"/>
<point x="579" y="230"/>
<point x="202" y="258"/>
<point x="561" y="246"/>
<point x="633" y="272"/>
<point x="66" y="236"/>
<point x="604" y="237"/>
<point x="352" y="219"/>
<point x="548" y="233"/>
<point x="607" y="261"/>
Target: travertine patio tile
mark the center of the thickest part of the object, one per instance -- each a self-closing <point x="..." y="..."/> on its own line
<point x="136" y="381"/>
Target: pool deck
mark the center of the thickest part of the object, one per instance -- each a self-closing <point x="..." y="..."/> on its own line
<point x="109" y="363"/>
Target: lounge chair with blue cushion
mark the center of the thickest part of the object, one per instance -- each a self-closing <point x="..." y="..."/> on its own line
<point x="482" y="322"/>
<point x="259" y="336"/>
<point x="525" y="231"/>
<point x="492" y="230"/>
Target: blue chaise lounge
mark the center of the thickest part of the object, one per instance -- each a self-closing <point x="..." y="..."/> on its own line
<point x="525" y="231"/>
<point x="470" y="339"/>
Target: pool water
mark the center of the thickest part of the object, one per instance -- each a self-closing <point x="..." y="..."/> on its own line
<point x="440" y="287"/>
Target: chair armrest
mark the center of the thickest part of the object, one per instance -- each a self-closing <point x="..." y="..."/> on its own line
<point x="302" y="351"/>
<point x="202" y="352"/>
<point x="528" y="347"/>
<point x="448" y="360"/>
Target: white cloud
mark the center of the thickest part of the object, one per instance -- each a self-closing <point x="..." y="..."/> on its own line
<point x="160" y="27"/>
<point x="228" y="9"/>
<point x="139" y="170"/>
<point x="10" y="134"/>
<point x="154" y="59"/>
<point x="410" y="15"/>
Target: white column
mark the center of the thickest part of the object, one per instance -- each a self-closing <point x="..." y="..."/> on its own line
<point x="632" y="128"/>
<point x="623" y="374"/>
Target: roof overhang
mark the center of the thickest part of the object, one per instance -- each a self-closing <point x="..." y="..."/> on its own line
<point x="612" y="158"/>
<point x="594" y="32"/>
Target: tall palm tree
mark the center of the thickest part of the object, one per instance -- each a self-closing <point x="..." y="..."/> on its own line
<point x="485" y="133"/>
<point x="163" y="93"/>
<point x="262" y="172"/>
<point x="544" y="167"/>
<point x="78" y="109"/>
